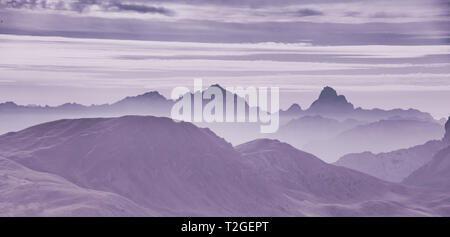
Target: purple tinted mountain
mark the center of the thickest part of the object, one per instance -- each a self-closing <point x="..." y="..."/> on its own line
<point x="329" y="102"/>
<point x="8" y="106"/>
<point x="304" y="174"/>
<point x="396" y="165"/>
<point x="381" y="136"/>
<point x="150" y="103"/>
<point x="300" y="131"/>
<point x="216" y="88"/>
<point x="178" y="169"/>
<point x="434" y="174"/>
<point x="392" y="166"/>
<point x="25" y="192"/>
<point x="172" y="168"/>
<point x="16" y="117"/>
<point x="293" y="111"/>
<point x="321" y="189"/>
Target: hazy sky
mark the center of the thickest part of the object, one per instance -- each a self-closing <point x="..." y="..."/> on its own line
<point x="378" y="53"/>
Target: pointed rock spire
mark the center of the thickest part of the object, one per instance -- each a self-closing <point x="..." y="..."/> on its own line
<point x="330" y="102"/>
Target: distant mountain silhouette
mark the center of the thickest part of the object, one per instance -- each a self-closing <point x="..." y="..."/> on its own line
<point x="293" y="111"/>
<point x="16" y="117"/>
<point x="435" y="173"/>
<point x="396" y="165"/>
<point x="381" y="136"/>
<point x="4" y="107"/>
<point x="392" y="166"/>
<point x="151" y="96"/>
<point x="225" y="96"/>
<point x="329" y="102"/>
<point x="302" y="130"/>
<point x="177" y="169"/>
<point x="150" y="102"/>
<point x="329" y="105"/>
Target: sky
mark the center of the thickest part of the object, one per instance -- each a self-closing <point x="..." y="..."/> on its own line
<point x="384" y="54"/>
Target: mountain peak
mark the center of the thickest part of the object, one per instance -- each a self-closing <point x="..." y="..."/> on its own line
<point x="328" y="93"/>
<point x="8" y="105"/>
<point x="294" y="108"/>
<point x="330" y="102"/>
<point x="152" y="94"/>
<point x="447" y="131"/>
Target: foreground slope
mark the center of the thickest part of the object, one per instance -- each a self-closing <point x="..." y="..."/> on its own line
<point x="321" y="189"/>
<point x="436" y="173"/>
<point x="25" y="192"/>
<point x="177" y="168"/>
<point x="392" y="166"/>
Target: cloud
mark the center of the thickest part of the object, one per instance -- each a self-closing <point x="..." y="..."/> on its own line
<point x="143" y="9"/>
<point x="81" y="5"/>
<point x="20" y="4"/>
<point x="308" y="12"/>
<point x="85" y="5"/>
<point x="387" y="15"/>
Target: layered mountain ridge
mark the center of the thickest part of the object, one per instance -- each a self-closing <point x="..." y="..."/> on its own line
<point x="329" y="104"/>
<point x="172" y="168"/>
<point x="396" y="165"/>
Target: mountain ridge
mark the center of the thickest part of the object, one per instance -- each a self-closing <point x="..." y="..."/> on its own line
<point x="179" y="169"/>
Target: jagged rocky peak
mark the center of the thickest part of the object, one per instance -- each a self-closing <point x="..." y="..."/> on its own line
<point x="328" y="93"/>
<point x="447" y="131"/>
<point x="330" y="102"/>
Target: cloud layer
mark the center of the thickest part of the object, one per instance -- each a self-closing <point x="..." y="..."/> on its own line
<point x="111" y="69"/>
<point x="320" y="22"/>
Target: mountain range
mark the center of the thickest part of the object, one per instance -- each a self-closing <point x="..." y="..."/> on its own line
<point x="396" y="165"/>
<point x="334" y="116"/>
<point x="435" y="173"/>
<point x="376" y="137"/>
<point x="129" y="159"/>
<point x="329" y="104"/>
<point x="302" y="130"/>
<point x="145" y="165"/>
